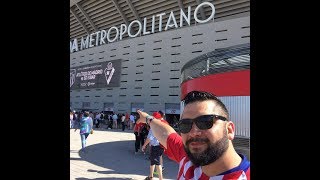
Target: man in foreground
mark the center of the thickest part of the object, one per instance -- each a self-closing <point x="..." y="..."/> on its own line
<point x="204" y="150"/>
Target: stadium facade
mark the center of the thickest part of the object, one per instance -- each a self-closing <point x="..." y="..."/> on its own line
<point x="128" y="54"/>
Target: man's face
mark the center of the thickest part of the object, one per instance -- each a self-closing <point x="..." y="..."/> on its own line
<point x="204" y="146"/>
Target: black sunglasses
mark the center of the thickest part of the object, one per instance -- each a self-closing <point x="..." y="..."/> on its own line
<point x="202" y="122"/>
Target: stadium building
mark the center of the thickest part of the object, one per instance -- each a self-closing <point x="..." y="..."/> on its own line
<point x="129" y="54"/>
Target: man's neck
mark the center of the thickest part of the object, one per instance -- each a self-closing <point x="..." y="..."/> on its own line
<point x="230" y="159"/>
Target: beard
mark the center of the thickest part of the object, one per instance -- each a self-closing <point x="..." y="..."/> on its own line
<point x="209" y="155"/>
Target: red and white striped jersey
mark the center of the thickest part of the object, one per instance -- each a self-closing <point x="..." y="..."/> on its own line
<point x="187" y="170"/>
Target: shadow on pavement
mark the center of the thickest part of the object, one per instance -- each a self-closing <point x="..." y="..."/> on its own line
<point x="119" y="157"/>
<point x="105" y="178"/>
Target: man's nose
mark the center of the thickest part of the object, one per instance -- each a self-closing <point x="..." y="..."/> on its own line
<point x="195" y="131"/>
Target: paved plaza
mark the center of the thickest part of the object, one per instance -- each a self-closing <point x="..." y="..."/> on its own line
<point x="110" y="155"/>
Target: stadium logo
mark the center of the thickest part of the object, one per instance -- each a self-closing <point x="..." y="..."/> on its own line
<point x="108" y="72"/>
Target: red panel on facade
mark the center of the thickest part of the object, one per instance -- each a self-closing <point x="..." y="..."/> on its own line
<point x="235" y="83"/>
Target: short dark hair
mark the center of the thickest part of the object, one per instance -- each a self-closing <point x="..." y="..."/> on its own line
<point x="86" y="114"/>
<point x="195" y="96"/>
<point x="161" y="113"/>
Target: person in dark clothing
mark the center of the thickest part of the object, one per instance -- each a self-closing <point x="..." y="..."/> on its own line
<point x="143" y="133"/>
<point x="97" y="120"/>
<point x="137" y="133"/>
<point x="100" y="120"/>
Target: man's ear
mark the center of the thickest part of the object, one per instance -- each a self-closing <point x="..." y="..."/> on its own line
<point x="230" y="130"/>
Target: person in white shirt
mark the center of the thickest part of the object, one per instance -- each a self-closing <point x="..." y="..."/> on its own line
<point x="114" y="119"/>
<point x="131" y="121"/>
<point x="123" y="119"/>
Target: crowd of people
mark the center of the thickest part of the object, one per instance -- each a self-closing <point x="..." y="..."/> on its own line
<point x="87" y="120"/>
<point x="109" y="120"/>
<point x="202" y="146"/>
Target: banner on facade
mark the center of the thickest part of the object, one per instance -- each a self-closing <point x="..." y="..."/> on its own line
<point x="97" y="75"/>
